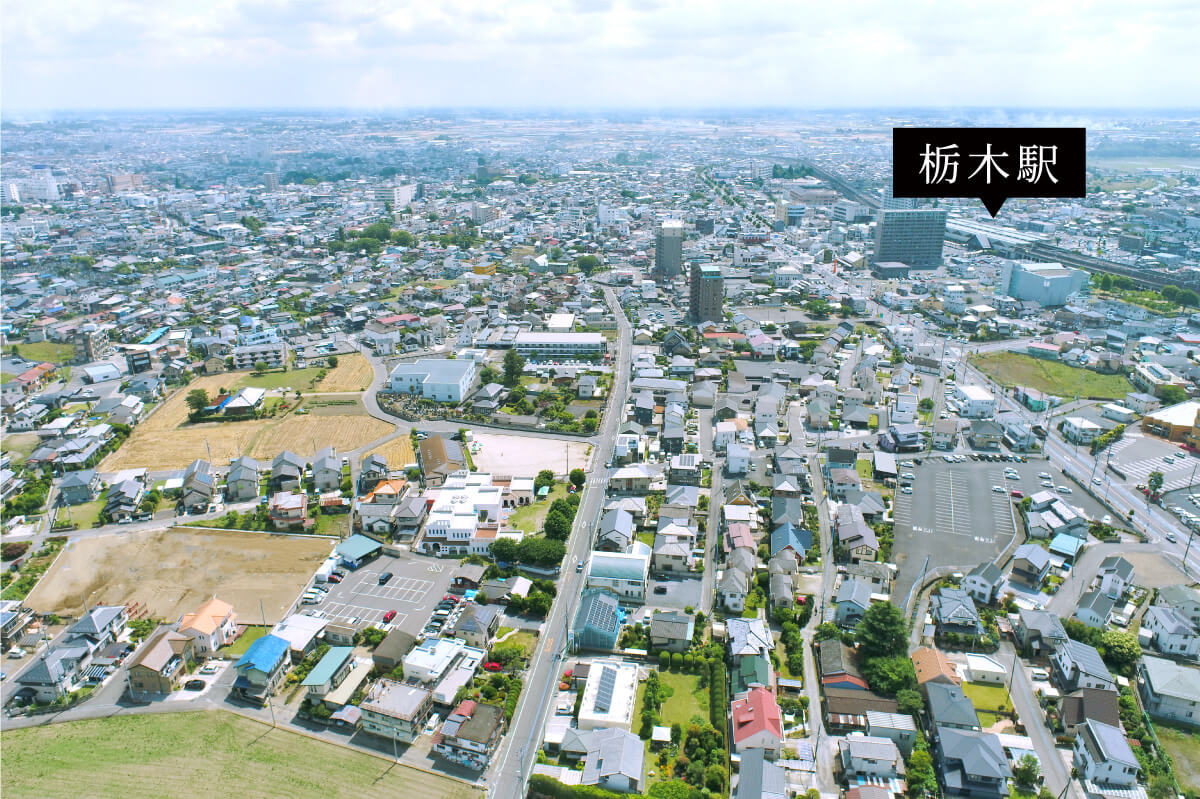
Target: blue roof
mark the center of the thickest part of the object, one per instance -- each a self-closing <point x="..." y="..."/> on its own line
<point x="357" y="546"/>
<point x="264" y="653"/>
<point x="1066" y="544"/>
<point x="799" y="538"/>
<point x="155" y="335"/>
<point x="328" y="666"/>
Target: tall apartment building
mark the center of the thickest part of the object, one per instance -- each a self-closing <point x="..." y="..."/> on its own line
<point x="273" y="354"/>
<point x="271" y="181"/>
<point x="123" y="182"/>
<point x="398" y="196"/>
<point x="707" y="294"/>
<point x="913" y="237"/>
<point x="91" y="344"/>
<point x="668" y="250"/>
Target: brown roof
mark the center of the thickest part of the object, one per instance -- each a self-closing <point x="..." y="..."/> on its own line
<point x="159" y="648"/>
<point x="439" y="454"/>
<point x="853" y="702"/>
<point x="931" y="664"/>
<point x="1090" y="703"/>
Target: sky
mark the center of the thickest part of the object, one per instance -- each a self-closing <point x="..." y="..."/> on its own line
<point x="72" y="55"/>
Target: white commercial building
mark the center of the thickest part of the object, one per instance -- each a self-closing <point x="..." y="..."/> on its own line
<point x="561" y="323"/>
<point x="439" y="379"/>
<point x="432" y="659"/>
<point x="569" y="344"/>
<point x="609" y="695"/>
<point x="975" y="402"/>
<point x="462" y="502"/>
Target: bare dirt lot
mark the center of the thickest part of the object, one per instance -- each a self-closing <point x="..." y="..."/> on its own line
<point x="164" y="440"/>
<point x="353" y="373"/>
<point x="525" y="456"/>
<point x="171" y="571"/>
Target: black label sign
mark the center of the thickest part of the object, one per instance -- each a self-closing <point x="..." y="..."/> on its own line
<point x="992" y="164"/>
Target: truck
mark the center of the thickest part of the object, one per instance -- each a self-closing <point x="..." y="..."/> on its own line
<point x="326" y="569"/>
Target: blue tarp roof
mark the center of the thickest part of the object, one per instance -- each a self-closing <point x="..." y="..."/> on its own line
<point x="155" y="335"/>
<point x="357" y="546"/>
<point x="264" y="653"/>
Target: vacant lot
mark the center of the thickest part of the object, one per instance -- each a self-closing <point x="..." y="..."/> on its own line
<point x="171" y="571"/>
<point x="165" y="440"/>
<point x="172" y="754"/>
<point x="525" y="456"/>
<point x="292" y="379"/>
<point x="1052" y="377"/>
<point x="46" y="351"/>
<point x="353" y="373"/>
<point x="304" y="435"/>
<point x="19" y="445"/>
<point x="398" y="451"/>
<point x="1184" y="749"/>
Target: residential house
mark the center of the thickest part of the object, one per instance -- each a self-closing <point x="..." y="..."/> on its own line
<point x="597" y="621"/>
<point x="242" y="479"/>
<point x="261" y="669"/>
<point x="212" y="626"/>
<point x="615" y="531"/>
<point x="159" y="665"/>
<point x="329" y="672"/>
<point x="391" y="651"/>
<point x="1031" y="564"/>
<point x="327" y="470"/>
<point x="949" y="707"/>
<point x="1116" y="576"/>
<point x="757" y="722"/>
<point x="199" y="483"/>
<point x="954" y="612"/>
<point x="836" y="666"/>
<point x="396" y="710"/>
<point x="1039" y="631"/>
<point x="972" y="763"/>
<point x="871" y="758"/>
<point x="852" y="599"/>
<point x="79" y="487"/>
<point x="56" y="672"/>
<point x="1184" y="598"/>
<point x="470" y="734"/>
<point x="624" y="574"/>
<point x="98" y="627"/>
<point x="1094" y="609"/>
<point x="1169" y="690"/>
<point x="898" y="728"/>
<point x="477" y="625"/>
<point x="1173" y="634"/>
<point x="932" y="665"/>
<point x="613" y="758"/>
<point x="440" y="457"/>
<point x="1077" y="665"/>
<point x="671" y="631"/>
<point x="1088" y="703"/>
<point x="983" y="583"/>
<point x="287" y="470"/>
<point x="372" y="470"/>
<point x="1102" y="756"/>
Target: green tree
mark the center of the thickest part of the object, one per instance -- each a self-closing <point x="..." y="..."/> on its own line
<point x="1161" y="787"/>
<point x="1026" y="771"/>
<point x="260" y="366"/>
<point x="910" y="702"/>
<point x="557" y="527"/>
<point x="578" y="478"/>
<point x="332" y="360"/>
<point x="882" y="632"/>
<point x="514" y="365"/>
<point x="1172" y="395"/>
<point x="1121" y="650"/>
<point x="489" y="374"/>
<point x="541" y="551"/>
<point x="890" y="675"/>
<point x="827" y="632"/>
<point x="1188" y="298"/>
<point x="587" y="263"/>
<point x="504" y="550"/>
<point x="197" y="399"/>
<point x="544" y="478"/>
<point x="1155" y="482"/>
<point x="921" y="777"/>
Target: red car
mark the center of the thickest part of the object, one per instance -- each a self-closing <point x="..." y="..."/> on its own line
<point x="391" y="614"/>
<point x="492" y="666"/>
<point x="1017" y="494"/>
<point x="333" y="578"/>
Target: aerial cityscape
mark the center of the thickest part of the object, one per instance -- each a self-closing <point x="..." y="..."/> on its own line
<point x="531" y="448"/>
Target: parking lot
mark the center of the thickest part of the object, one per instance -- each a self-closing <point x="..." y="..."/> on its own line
<point x="1137" y="456"/>
<point x="416" y="586"/>
<point x="953" y="517"/>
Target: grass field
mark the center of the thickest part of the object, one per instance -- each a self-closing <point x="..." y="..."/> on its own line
<point x="1184" y="749"/>
<point x="239" y="647"/>
<point x="165" y="440"/>
<point x="398" y="452"/>
<point x="529" y="518"/>
<point x="989" y="701"/>
<point x="1052" y="377"/>
<point x="173" y="754"/>
<point x="294" y="379"/>
<point x="19" y="445"/>
<point x="170" y="572"/>
<point x="46" y="351"/>
<point x="353" y="373"/>
<point x="84" y="516"/>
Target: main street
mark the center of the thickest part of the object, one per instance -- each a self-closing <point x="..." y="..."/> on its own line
<point x="512" y="765"/>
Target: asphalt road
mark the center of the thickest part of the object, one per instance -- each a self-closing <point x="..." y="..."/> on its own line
<point x="513" y="763"/>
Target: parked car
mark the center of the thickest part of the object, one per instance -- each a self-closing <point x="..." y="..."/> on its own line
<point x="385" y="577"/>
<point x="194" y="685"/>
<point x="660" y="589"/>
<point x="391" y="614"/>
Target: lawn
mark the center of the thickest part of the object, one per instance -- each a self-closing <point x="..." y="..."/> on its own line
<point x="1052" y="377"/>
<point x="529" y="518"/>
<point x="646" y="537"/>
<point x="864" y="469"/>
<point x="988" y="699"/>
<point x="302" y="379"/>
<point x="1184" y="749"/>
<point x="46" y="351"/>
<point x="335" y="524"/>
<point x="84" y="516"/>
<point x="239" y="647"/>
<point x="687" y="698"/>
<point x="158" y="755"/>
<point x="19" y="445"/>
<point x="526" y="640"/>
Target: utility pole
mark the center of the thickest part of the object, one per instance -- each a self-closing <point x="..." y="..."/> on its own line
<point x="263" y="615"/>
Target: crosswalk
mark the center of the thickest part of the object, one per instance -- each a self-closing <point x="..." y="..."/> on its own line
<point x="1175" y="475"/>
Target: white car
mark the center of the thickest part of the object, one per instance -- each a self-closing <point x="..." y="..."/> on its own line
<point x="909" y="476"/>
<point x="1096" y="481"/>
<point x="1044" y="475"/>
<point x="906" y="489"/>
<point x="997" y="490"/>
<point x="1063" y="489"/>
<point x="1047" y="484"/>
<point x="1106" y="520"/>
<point x="1171" y="537"/>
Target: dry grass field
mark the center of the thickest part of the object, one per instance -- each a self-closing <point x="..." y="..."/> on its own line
<point x="305" y="435"/>
<point x="165" y="440"/>
<point x="398" y="451"/>
<point x="353" y="373"/>
<point x="172" y="571"/>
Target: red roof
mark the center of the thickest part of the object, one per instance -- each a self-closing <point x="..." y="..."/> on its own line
<point x="465" y="708"/>
<point x="758" y="712"/>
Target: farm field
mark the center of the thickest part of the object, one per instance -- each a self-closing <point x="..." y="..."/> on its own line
<point x="158" y="755"/>
<point x="353" y="373"/>
<point x="398" y="451"/>
<point x="1052" y="377"/>
<point x="169" y="572"/>
<point x="164" y="440"/>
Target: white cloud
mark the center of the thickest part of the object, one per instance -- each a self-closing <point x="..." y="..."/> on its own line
<point x="596" y="53"/>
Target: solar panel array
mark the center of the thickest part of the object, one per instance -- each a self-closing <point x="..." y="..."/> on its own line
<point x="608" y="682"/>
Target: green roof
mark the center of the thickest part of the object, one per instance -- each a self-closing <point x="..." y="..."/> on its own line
<point x="329" y="665"/>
